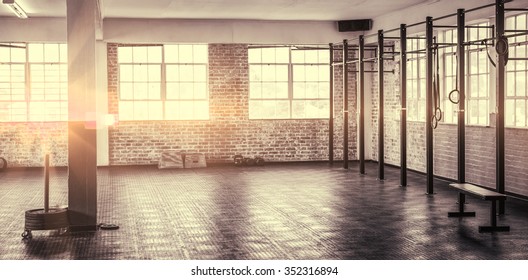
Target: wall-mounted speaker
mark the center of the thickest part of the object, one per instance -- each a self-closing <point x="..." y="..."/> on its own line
<point x="354" y="25"/>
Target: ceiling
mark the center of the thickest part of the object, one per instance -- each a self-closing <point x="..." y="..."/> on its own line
<point x="318" y="10"/>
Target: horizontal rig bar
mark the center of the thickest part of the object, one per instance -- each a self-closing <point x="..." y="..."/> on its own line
<point x="483" y="7"/>
<point x="416" y="24"/>
<point x="479" y="26"/>
<point x="417" y="51"/>
<point x="371" y="71"/>
<point x="392" y="38"/>
<point x="445" y="44"/>
<point x="12" y="46"/>
<point x="515" y="30"/>
<point x="444" y="17"/>
<point x="516" y="35"/>
<point x="518" y="58"/>
<point x="444" y="26"/>
<point x="515" y="10"/>
<point x="391" y="30"/>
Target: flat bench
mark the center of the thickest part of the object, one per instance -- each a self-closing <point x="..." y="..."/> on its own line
<point x="484" y="194"/>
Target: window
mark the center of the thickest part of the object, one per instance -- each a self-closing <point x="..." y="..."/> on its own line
<point x="289" y="83"/>
<point x="477" y="75"/>
<point x="478" y="71"/>
<point x="163" y="82"/>
<point x="33" y="82"/>
<point x="48" y="72"/>
<point x="416" y="86"/>
<point x="516" y="71"/>
<point x="450" y="76"/>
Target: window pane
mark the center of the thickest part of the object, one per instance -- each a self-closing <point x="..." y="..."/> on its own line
<point x="186" y="91"/>
<point x="200" y="91"/>
<point x="299" y="90"/>
<point x="520" y="113"/>
<point x="281" y="90"/>
<point x="298" y="109"/>
<point x="283" y="109"/>
<point x="255" y="90"/>
<point x="200" y="54"/>
<point x="520" y="83"/>
<point x="254" y="55"/>
<point x="124" y="54"/>
<point x="36" y="52"/>
<point x="186" y="54"/>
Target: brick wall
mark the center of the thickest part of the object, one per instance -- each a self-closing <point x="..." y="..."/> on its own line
<point x="25" y="144"/>
<point x="228" y="131"/>
<point x="480" y="143"/>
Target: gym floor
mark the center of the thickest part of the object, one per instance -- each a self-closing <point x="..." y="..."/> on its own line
<point x="304" y="211"/>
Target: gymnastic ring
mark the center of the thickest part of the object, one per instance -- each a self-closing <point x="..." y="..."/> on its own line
<point x="450" y="96"/>
<point x="502" y="46"/>
<point x="434" y="122"/>
<point x="3" y="165"/>
<point x="438" y="114"/>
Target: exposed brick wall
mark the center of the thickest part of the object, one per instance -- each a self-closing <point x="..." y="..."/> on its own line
<point x="25" y="144"/>
<point x="228" y="131"/>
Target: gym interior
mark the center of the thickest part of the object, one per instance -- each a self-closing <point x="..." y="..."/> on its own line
<point x="263" y="130"/>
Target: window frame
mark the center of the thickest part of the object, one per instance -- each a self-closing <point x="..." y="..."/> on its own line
<point x="30" y="115"/>
<point x="416" y="99"/>
<point x="291" y="83"/>
<point x="163" y="99"/>
<point x="518" y="43"/>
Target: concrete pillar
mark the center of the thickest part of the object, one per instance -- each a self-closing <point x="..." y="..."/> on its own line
<point x="82" y="159"/>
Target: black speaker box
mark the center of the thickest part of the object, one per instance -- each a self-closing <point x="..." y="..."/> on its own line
<point x="354" y="25"/>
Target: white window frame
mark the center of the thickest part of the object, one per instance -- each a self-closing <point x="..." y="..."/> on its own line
<point x="516" y="96"/>
<point x="51" y="105"/>
<point x="160" y="106"/>
<point x="297" y="105"/>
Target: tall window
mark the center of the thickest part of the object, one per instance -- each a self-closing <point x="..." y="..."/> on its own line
<point x="450" y="76"/>
<point x="288" y="83"/>
<point x="516" y="71"/>
<point x="48" y="72"/>
<point x="33" y="82"/>
<point x="416" y="86"/>
<point x="478" y="71"/>
<point x="163" y="82"/>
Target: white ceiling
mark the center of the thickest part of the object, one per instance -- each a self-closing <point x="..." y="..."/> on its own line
<point x="319" y="10"/>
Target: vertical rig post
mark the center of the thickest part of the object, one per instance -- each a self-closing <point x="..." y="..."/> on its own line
<point x="381" y="136"/>
<point x="345" y="104"/>
<point x="429" y="106"/>
<point x="461" y="73"/>
<point x="361" y="86"/>
<point x="501" y="63"/>
<point x="403" y="92"/>
<point x="331" y="117"/>
<point x="46" y="184"/>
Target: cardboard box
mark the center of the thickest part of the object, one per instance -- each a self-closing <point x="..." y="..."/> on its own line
<point x="171" y="159"/>
<point x="194" y="160"/>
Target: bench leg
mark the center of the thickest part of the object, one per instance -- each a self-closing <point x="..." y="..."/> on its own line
<point x="461" y="212"/>
<point x="493" y="221"/>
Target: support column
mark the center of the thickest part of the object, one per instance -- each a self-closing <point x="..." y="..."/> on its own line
<point x="345" y="104"/>
<point x="361" y="113"/>
<point x="429" y="106"/>
<point x="82" y="159"/>
<point x="501" y="63"/>
<point x="461" y="74"/>
<point x="381" y="136"/>
<point x="331" y="117"/>
<point x="403" y="119"/>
